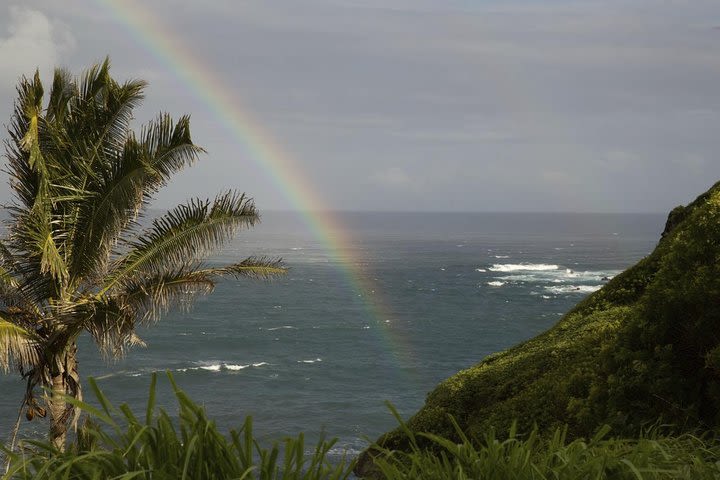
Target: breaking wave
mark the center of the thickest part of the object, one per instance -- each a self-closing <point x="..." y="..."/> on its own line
<point x="218" y="367"/>
<point x="310" y="361"/>
<point x="574" y="289"/>
<point x="522" y="267"/>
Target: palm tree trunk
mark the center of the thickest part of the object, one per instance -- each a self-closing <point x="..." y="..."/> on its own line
<point x="65" y="381"/>
<point x="58" y="420"/>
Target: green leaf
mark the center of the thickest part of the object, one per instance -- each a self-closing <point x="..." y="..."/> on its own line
<point x="151" y="399"/>
<point x="185" y="233"/>
<point x="16" y="344"/>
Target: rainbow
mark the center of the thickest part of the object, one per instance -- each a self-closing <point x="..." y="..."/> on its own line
<point x="168" y="48"/>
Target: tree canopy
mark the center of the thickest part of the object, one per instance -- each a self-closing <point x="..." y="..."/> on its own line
<point x="77" y="255"/>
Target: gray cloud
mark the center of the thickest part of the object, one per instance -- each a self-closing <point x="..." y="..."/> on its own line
<point x="31" y="40"/>
<point x="396" y="178"/>
<point x="400" y="104"/>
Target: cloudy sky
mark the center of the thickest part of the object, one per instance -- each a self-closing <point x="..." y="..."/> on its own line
<point x="438" y="105"/>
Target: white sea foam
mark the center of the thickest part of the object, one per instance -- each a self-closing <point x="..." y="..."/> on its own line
<point x="591" y="276"/>
<point x="496" y="284"/>
<point x="502" y="256"/>
<point x="236" y="367"/>
<point x="284" y="327"/>
<point x="524" y="267"/>
<point x="559" y="276"/>
<point x="310" y="361"/>
<point x="216" y="367"/>
<point x="574" y="289"/>
<point x="518" y="278"/>
<point x="481" y="270"/>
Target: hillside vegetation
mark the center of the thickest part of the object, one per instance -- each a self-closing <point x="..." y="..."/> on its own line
<point x="643" y="350"/>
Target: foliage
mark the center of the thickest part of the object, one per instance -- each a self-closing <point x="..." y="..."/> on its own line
<point x="535" y="457"/>
<point x="76" y="257"/>
<point x="644" y="347"/>
<point x="115" y="443"/>
<point x="118" y="444"/>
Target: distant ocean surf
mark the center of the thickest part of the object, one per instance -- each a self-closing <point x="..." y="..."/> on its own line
<point x="314" y="352"/>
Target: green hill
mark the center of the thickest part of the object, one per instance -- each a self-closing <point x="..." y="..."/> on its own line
<point x="645" y="348"/>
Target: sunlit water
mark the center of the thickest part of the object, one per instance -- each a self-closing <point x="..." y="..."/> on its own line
<point x="310" y="352"/>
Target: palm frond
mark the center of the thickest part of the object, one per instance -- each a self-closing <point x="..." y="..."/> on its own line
<point x="111" y="324"/>
<point x="154" y="294"/>
<point x="112" y="116"/>
<point x="16" y="346"/>
<point x="111" y="320"/>
<point x="186" y="233"/>
<point x="11" y="293"/>
<point x="6" y="279"/>
<point x="135" y="175"/>
<point x="37" y="245"/>
<point x="23" y="165"/>
<point x="94" y="80"/>
<point x="24" y="181"/>
<point x="252" y="267"/>
<point x="33" y="177"/>
<point x="168" y="146"/>
<point x="52" y="261"/>
<point x="61" y="93"/>
<point x="31" y="101"/>
<point x="7" y="266"/>
<point x="36" y="236"/>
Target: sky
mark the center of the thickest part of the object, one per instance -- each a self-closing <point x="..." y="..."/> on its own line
<point x="408" y="105"/>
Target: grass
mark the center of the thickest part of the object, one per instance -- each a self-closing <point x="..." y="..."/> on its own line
<point x="650" y="457"/>
<point x="117" y="444"/>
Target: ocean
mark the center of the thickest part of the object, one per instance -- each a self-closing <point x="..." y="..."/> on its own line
<point x="412" y="299"/>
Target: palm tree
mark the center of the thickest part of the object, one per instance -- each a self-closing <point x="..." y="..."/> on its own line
<point x="75" y="257"/>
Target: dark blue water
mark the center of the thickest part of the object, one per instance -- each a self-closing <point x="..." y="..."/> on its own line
<point x="309" y="352"/>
